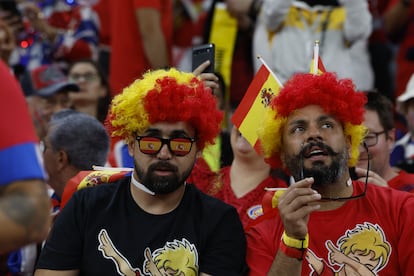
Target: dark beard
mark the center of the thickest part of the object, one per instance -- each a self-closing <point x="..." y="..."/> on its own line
<point x="324" y="175"/>
<point x="161" y="184"/>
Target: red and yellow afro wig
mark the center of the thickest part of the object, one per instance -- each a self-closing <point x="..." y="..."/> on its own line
<point x="165" y="95"/>
<point x="337" y="97"/>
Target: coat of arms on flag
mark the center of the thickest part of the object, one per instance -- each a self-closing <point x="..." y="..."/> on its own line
<point x="250" y="111"/>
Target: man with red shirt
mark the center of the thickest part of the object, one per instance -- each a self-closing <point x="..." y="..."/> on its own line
<point x="325" y="223"/>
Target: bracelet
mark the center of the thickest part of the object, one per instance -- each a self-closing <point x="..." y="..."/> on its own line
<point x="295" y="243"/>
<point x="292" y="252"/>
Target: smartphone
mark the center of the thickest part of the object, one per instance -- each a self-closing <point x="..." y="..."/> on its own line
<point x="202" y="53"/>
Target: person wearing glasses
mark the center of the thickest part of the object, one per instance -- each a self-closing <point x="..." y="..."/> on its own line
<point x="94" y="97"/>
<point x="152" y="222"/>
<point x="380" y="140"/>
<point x="47" y="91"/>
<point x="326" y="223"/>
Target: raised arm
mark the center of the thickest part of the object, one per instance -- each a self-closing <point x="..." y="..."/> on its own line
<point x="155" y="45"/>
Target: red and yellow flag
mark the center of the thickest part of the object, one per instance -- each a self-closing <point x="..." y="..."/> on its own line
<point x="316" y="67"/>
<point x="320" y="66"/>
<point x="86" y="179"/>
<point x="252" y="107"/>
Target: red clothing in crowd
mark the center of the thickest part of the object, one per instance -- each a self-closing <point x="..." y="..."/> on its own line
<point x="128" y="60"/>
<point x="405" y="53"/>
<point x="248" y="206"/>
<point x="404" y="181"/>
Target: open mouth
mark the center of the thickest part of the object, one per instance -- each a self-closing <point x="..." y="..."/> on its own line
<point x="315" y="151"/>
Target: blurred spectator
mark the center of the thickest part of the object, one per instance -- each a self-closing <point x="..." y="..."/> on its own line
<point x="241" y="72"/>
<point x="54" y="31"/>
<point x="24" y="203"/>
<point x="241" y="184"/>
<point x="101" y="8"/>
<point x="94" y="96"/>
<point x="342" y="28"/>
<point x="74" y="142"/>
<point x="189" y="21"/>
<point x="403" y="153"/>
<point x="399" y="25"/>
<point x="381" y="50"/>
<point x="7" y="42"/>
<point x="219" y="154"/>
<point x="141" y="39"/>
<point x="380" y="140"/>
<point x="48" y="91"/>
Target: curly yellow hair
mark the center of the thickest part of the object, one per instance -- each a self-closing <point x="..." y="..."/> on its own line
<point x="166" y="95"/>
<point x="336" y="97"/>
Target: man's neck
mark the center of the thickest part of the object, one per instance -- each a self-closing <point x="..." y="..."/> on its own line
<point x="157" y="204"/>
<point x="341" y="188"/>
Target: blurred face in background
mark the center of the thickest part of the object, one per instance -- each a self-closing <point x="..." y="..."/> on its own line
<point x="379" y="141"/>
<point x="86" y="76"/>
<point x="240" y="146"/>
<point x="409" y="115"/>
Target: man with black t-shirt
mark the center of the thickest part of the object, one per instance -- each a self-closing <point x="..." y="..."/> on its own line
<point x="152" y="223"/>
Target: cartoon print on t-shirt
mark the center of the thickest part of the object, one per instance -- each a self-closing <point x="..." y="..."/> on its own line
<point x="361" y="251"/>
<point x="175" y="258"/>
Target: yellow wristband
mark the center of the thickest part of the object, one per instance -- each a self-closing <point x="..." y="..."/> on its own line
<point x="295" y="243"/>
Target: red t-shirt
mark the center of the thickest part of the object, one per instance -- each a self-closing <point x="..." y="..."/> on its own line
<point x="248" y="206"/>
<point x="405" y="54"/>
<point x="380" y="222"/>
<point x="128" y="60"/>
<point x="404" y="181"/>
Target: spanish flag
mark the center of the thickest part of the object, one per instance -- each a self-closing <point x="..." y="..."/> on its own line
<point x="85" y="179"/>
<point x="251" y="109"/>
<point x="317" y="67"/>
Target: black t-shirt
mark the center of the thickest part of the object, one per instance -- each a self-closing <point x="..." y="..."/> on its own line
<point x="102" y="231"/>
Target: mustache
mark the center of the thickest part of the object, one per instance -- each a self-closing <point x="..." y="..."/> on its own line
<point x="162" y="165"/>
<point x="306" y="147"/>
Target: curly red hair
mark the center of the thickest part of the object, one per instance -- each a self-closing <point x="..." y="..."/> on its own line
<point x="166" y="95"/>
<point x="337" y="97"/>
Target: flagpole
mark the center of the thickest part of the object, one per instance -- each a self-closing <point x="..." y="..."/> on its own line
<point x="271" y="72"/>
<point x="315" y="57"/>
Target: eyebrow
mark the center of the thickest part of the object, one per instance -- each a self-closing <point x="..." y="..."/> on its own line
<point x="303" y="121"/>
<point x="174" y="133"/>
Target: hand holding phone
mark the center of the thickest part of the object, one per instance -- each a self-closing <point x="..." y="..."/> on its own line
<point x="202" y="53"/>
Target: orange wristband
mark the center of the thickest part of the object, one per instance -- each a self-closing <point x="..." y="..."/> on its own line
<point x="292" y="252"/>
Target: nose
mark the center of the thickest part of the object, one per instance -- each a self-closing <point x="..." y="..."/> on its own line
<point x="313" y="133"/>
<point x="164" y="153"/>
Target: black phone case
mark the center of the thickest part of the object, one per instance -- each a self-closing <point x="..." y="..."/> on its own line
<point x="202" y="53"/>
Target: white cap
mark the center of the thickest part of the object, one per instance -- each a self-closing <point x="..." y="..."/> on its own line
<point x="409" y="91"/>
